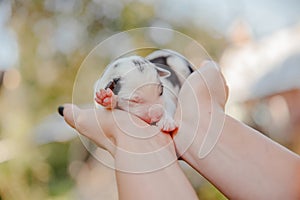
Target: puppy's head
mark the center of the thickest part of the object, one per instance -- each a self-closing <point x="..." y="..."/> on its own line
<point x="180" y="67"/>
<point x="137" y="82"/>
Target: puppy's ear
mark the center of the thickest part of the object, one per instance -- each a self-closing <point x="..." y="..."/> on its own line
<point x="162" y="72"/>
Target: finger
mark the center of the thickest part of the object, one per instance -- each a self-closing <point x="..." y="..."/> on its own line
<point x="68" y="114"/>
<point x="210" y="63"/>
<point x="84" y="121"/>
<point x="215" y="81"/>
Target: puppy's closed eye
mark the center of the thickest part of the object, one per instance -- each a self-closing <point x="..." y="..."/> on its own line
<point x="161" y="89"/>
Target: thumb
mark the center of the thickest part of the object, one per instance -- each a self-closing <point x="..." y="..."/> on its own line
<point x="86" y="123"/>
<point x="215" y="81"/>
<point x="79" y="119"/>
<point x="68" y="112"/>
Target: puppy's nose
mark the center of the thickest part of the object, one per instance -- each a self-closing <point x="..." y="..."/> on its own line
<point x="155" y="112"/>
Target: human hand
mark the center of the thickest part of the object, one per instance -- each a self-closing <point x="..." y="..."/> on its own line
<point x="146" y="165"/>
<point x="200" y="111"/>
<point x="135" y="145"/>
<point x="119" y="132"/>
<point x="231" y="155"/>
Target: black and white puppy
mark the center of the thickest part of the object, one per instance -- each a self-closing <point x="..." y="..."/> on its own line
<point x="146" y="87"/>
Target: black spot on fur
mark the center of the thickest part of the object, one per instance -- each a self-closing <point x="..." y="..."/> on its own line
<point x="189" y="67"/>
<point x="116" y="65"/>
<point x="160" y="60"/>
<point x="139" y="64"/>
<point x="162" y="63"/>
<point x="114" y="85"/>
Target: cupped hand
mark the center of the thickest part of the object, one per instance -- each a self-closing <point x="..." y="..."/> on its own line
<point x="135" y="145"/>
<point x="200" y="110"/>
<point x="97" y="125"/>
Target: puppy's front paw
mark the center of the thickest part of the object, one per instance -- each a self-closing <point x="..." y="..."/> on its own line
<point x="167" y="124"/>
<point x="106" y="98"/>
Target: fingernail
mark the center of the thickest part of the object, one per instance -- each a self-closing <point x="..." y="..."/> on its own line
<point x="61" y="110"/>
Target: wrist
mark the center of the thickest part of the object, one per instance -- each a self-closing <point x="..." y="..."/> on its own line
<point x="195" y="139"/>
<point x="146" y="155"/>
<point x="144" y="151"/>
<point x="200" y="111"/>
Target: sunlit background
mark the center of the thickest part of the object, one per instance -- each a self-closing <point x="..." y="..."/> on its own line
<point x="43" y="43"/>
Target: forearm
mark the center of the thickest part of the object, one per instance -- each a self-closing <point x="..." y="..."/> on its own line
<point x="149" y="169"/>
<point x="244" y="164"/>
<point x="166" y="183"/>
<point x="145" y="159"/>
<point x="238" y="160"/>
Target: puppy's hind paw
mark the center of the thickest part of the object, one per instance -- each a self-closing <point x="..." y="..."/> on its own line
<point x="167" y="124"/>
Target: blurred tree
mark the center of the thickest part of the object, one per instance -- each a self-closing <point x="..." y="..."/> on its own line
<point x="53" y="39"/>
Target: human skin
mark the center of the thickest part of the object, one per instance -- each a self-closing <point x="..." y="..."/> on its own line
<point x="241" y="162"/>
<point x="138" y="177"/>
<point x="238" y="160"/>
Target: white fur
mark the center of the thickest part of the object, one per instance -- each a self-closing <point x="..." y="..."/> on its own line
<point x="143" y="85"/>
<point x="179" y="64"/>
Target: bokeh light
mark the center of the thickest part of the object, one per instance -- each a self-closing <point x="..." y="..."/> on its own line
<point x="43" y="44"/>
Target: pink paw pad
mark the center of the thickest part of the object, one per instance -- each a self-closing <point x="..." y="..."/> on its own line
<point x="106" y="98"/>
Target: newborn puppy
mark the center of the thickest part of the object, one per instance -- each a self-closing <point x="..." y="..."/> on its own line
<point x="142" y="87"/>
<point x="134" y="84"/>
<point x="179" y="68"/>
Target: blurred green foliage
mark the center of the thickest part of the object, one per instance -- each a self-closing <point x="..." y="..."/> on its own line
<point x="207" y="191"/>
<point x="47" y="71"/>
